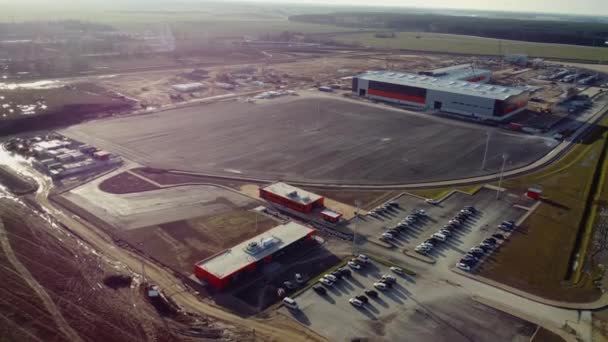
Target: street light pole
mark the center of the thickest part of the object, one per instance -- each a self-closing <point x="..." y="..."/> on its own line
<point x="485" y="153"/>
<point x="502" y="172"/>
<point x="357" y="204"/>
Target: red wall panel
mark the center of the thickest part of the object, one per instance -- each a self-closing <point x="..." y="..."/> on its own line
<point x="397" y="96"/>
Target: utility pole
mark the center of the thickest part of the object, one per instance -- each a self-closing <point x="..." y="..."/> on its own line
<point x="357" y="204"/>
<point x="485" y="153"/>
<point x="502" y="172"/>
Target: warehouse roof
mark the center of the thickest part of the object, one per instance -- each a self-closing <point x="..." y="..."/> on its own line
<point x="447" y="85"/>
<point x="461" y="72"/>
<point x="250" y="251"/>
<point x="292" y="193"/>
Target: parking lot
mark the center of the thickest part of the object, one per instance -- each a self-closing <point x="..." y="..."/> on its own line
<point x="420" y="309"/>
<point x="480" y="225"/>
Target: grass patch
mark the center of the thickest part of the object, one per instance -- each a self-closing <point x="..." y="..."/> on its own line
<point x="537" y="257"/>
<point x="438" y="42"/>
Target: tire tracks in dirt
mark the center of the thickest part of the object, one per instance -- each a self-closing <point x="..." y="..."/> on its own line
<point x="46" y="299"/>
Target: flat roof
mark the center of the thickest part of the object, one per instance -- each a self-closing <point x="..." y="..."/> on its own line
<point x="254" y="249"/>
<point x="489" y="91"/>
<point x="292" y="193"/>
<point x="330" y="213"/>
<point x="459" y="72"/>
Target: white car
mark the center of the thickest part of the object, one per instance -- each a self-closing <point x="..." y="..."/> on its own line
<point x="463" y="266"/>
<point x="355" y="302"/>
<point x="397" y="270"/>
<point x="299" y="278"/>
<point x="422" y="249"/>
<point x="426" y="245"/>
<point x="439" y="236"/>
<point x="354" y="265"/>
<point x="445" y="232"/>
<point x="388" y="236"/>
<point x="330" y="277"/>
<point x="363" y="257"/>
<point x="326" y="282"/>
<point x="290" y="303"/>
<point x="388" y="278"/>
<point x="422" y="212"/>
<point x="380" y="286"/>
<point x="431" y="201"/>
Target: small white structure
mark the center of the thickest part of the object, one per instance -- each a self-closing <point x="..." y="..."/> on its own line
<point x="188" y="87"/>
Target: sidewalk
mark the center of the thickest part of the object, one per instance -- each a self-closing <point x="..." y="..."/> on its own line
<point x="598" y="304"/>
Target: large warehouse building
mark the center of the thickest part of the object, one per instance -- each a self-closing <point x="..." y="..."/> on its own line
<point x="445" y="94"/>
<point x="291" y="197"/>
<point x="248" y="256"/>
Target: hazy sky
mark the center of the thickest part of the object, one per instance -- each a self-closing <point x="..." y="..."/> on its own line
<point x="595" y="7"/>
<point x="592" y="7"/>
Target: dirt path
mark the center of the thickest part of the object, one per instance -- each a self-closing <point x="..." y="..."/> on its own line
<point x="63" y="325"/>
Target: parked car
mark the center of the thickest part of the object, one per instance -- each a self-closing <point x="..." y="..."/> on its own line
<point x="490" y="240"/>
<point x="393" y="231"/>
<point x="505" y="228"/>
<point x="498" y="236"/>
<point x="337" y="274"/>
<point x="389" y="279"/>
<point x="388" y="236"/>
<point x="290" y="303"/>
<point x="381" y="286"/>
<point x="371" y="293"/>
<point x="469" y="258"/>
<point x="445" y="232"/>
<point x="289" y="285"/>
<point x="393" y="204"/>
<point x="477" y="250"/>
<point x="396" y="269"/>
<point x="320" y="290"/>
<point x="455" y="222"/>
<point x="326" y="282"/>
<point x="355" y="302"/>
<point x="421" y="250"/>
<point x="354" y="265"/>
<point x="330" y="277"/>
<point x="362" y="298"/>
<point x="471" y="208"/>
<point x="431" y="201"/>
<point x="363" y="258"/>
<point x="463" y="266"/>
<point x="299" y="278"/>
<point x="421" y="212"/>
<point x="439" y="236"/>
<point x="344" y="271"/>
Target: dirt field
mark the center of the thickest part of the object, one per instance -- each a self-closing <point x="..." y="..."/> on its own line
<point x="125" y="183"/>
<point x="53" y="289"/>
<point x="344" y="142"/>
<point x="181" y="244"/>
<point x="176" y="226"/>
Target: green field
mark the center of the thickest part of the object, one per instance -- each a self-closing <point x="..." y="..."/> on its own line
<point x="438" y="42"/>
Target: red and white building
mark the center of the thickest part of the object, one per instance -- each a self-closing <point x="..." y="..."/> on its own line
<point x="457" y="90"/>
<point x="291" y="197"/>
<point x="221" y="269"/>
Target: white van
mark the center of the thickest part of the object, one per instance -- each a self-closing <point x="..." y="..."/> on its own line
<point x="290" y="303"/>
<point x="439" y="236"/>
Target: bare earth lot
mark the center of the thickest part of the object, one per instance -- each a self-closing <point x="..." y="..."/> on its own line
<point x="344" y="141"/>
<point x="177" y="226"/>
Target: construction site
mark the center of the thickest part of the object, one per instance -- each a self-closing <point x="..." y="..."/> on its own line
<point x="229" y="187"/>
